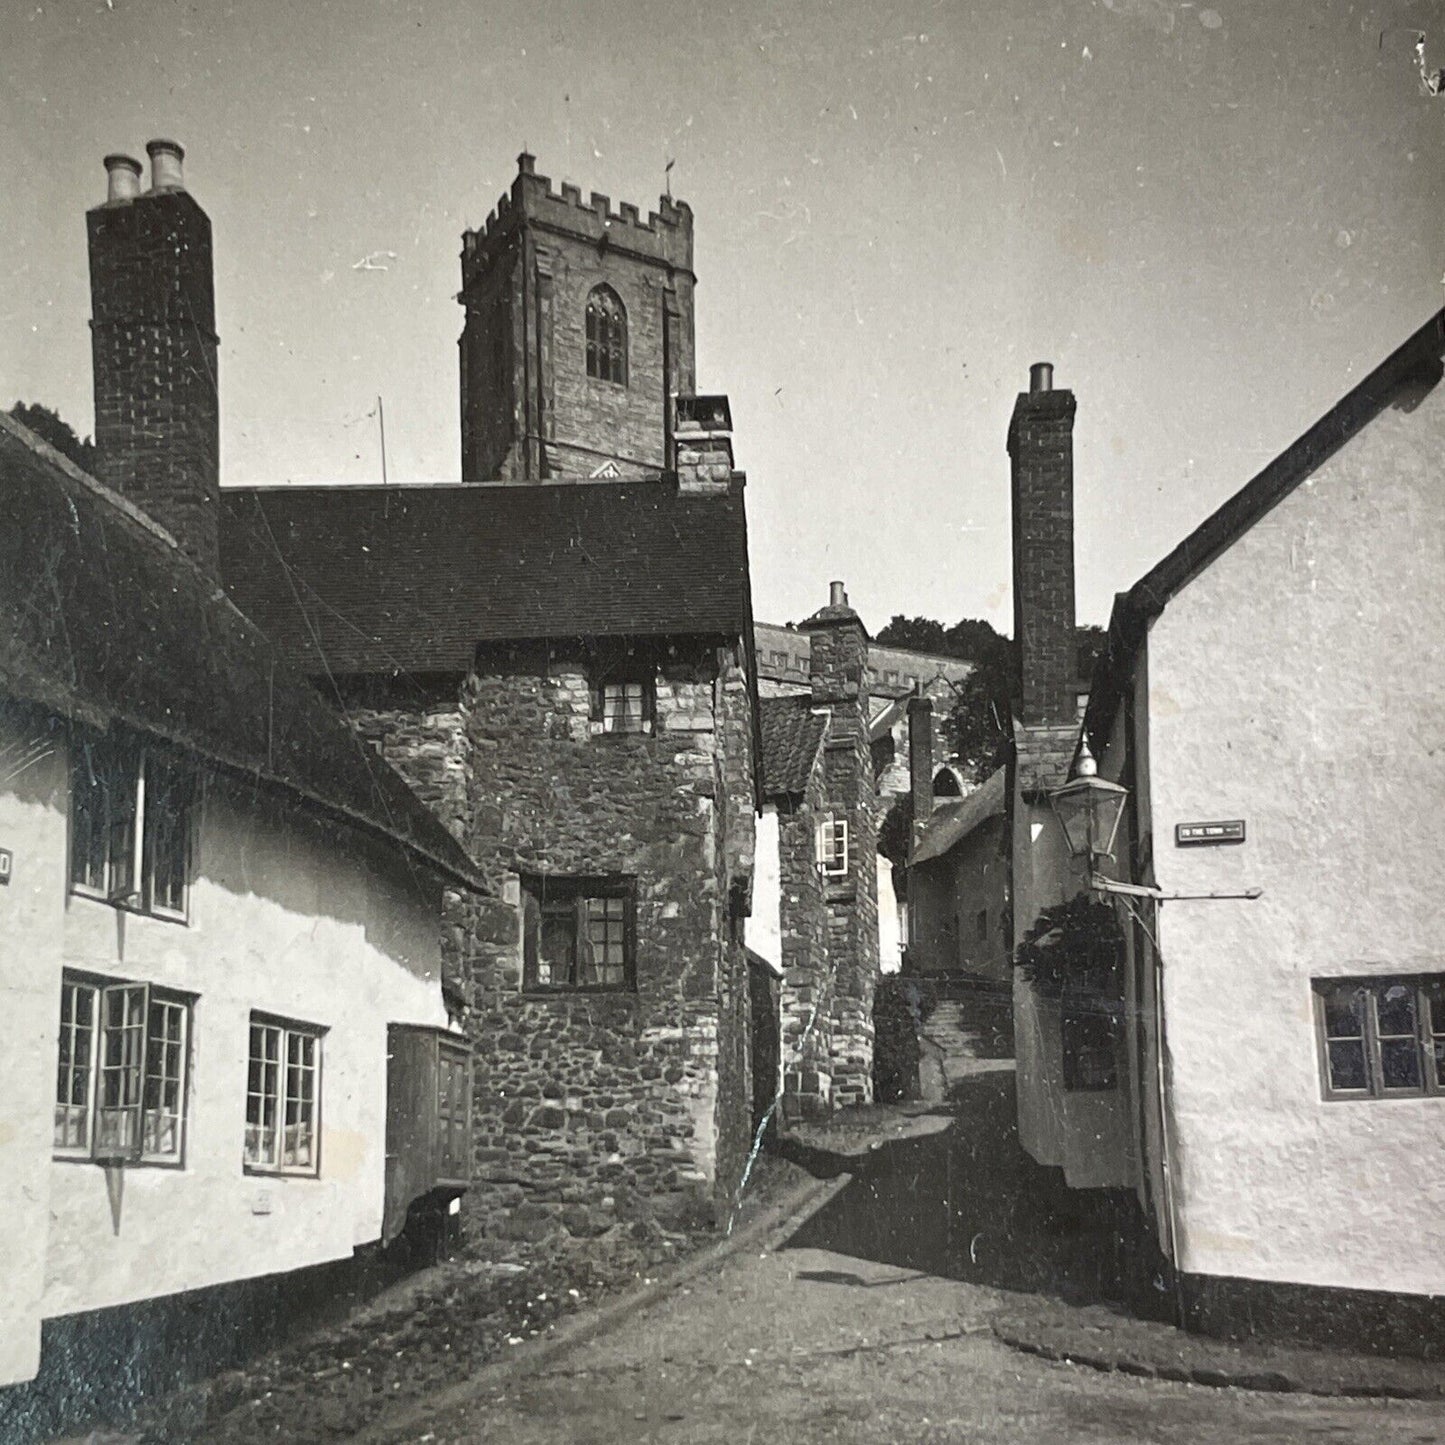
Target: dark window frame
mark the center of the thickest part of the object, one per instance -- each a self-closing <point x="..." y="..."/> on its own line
<point x="606" y="333"/>
<point x="559" y="898"/>
<point x="644" y="724"/>
<point x="1427" y="1036"/>
<point x="1090" y="1028"/>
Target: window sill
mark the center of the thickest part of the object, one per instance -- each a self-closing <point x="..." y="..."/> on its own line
<point x="1390" y="1096"/>
<point x="161" y="915"/>
<point x="626" y="990"/>
<point x="256" y="1171"/>
<point x="174" y="1166"/>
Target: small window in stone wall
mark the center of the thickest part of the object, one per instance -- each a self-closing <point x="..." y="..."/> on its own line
<point x="578" y="934"/>
<point x="833" y="845"/>
<point x="624" y="704"/>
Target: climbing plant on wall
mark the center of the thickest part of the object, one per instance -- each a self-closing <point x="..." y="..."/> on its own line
<point x="1074" y="946"/>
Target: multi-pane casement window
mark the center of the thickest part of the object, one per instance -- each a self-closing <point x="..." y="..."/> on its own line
<point x="606" y="336"/>
<point x="1381" y="1038"/>
<point x="121" y="1073"/>
<point x="283" y="1097"/>
<point x="624" y="704"/>
<point x="833" y="845"/>
<point x="578" y="933"/>
<point x="130" y="824"/>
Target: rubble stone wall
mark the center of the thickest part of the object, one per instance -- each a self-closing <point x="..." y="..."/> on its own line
<point x="597" y="1108"/>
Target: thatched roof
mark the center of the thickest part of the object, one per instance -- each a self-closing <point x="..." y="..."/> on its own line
<point x="103" y="620"/>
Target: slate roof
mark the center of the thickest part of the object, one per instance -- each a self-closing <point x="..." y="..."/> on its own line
<point x="103" y="620"/>
<point x="951" y="823"/>
<point x="411" y="578"/>
<point x="1411" y="367"/>
<point x="792" y="735"/>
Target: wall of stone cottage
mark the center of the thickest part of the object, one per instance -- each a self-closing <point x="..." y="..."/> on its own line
<point x="852" y="917"/>
<point x="594" y="1109"/>
<point x="838" y="658"/>
<point x="806" y="996"/>
<point x="737" y="801"/>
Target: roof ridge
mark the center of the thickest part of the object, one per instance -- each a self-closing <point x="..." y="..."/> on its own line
<point x="47" y="453"/>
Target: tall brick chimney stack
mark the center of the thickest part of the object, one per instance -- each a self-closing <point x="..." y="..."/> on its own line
<point x="153" y="348"/>
<point x="1041" y="449"/>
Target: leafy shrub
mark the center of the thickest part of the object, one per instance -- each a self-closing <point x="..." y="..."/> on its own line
<point x="900" y="1006"/>
<point x="1075" y="945"/>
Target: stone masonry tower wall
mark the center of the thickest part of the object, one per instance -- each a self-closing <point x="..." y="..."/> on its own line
<point x="153" y="349"/>
<point x="530" y="409"/>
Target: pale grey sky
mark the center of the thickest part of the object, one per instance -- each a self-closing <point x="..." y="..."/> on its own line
<point x="1212" y="218"/>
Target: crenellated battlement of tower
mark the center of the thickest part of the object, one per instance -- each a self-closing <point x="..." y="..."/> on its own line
<point x="665" y="236"/>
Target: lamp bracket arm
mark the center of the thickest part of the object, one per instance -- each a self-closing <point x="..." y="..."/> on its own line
<point x="1100" y="884"/>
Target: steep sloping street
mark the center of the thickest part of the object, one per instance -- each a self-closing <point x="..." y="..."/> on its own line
<point x="879" y="1319"/>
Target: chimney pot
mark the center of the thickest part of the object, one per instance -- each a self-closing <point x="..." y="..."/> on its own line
<point x="122" y="176"/>
<point x="837" y="597"/>
<point x="166" y="157"/>
<point x="1041" y="376"/>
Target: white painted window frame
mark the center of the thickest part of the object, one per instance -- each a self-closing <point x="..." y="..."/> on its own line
<point x="254" y="1159"/>
<point x="134" y="1073"/>
<point x="833" y="846"/>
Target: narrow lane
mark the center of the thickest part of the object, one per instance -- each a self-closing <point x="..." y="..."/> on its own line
<point x="873" y="1323"/>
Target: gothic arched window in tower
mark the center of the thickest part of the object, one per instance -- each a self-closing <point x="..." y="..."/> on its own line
<point x="606" y="336"/>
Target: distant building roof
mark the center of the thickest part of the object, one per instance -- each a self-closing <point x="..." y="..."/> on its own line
<point x="792" y="734"/>
<point x="103" y="619"/>
<point x="411" y="578"/>
<point x="1413" y="366"/>
<point x="951" y="823"/>
<point x="783" y="654"/>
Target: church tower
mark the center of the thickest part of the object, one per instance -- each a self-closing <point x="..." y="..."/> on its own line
<point x="578" y="332"/>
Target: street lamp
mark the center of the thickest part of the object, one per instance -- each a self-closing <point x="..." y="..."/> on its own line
<point x="1088" y="808"/>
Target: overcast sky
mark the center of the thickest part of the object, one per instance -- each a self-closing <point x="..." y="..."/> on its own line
<point x="1212" y="218"/>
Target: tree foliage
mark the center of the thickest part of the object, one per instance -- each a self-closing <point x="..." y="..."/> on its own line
<point x="976" y="728"/>
<point x="895" y="832"/>
<point x="49" y="426"/>
<point x="1075" y="945"/>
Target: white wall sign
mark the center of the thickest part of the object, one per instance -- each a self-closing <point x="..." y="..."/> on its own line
<point x="1195" y="835"/>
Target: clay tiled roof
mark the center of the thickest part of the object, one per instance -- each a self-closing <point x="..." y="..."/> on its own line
<point x="951" y="823"/>
<point x="792" y="735"/>
<point x="104" y="620"/>
<point x="373" y="579"/>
